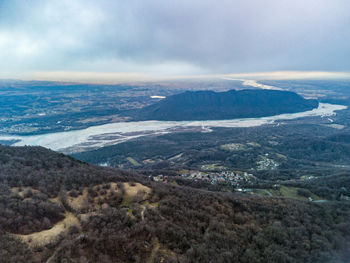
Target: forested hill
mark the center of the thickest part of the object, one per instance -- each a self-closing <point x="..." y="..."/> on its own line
<point x="56" y="209"/>
<point x="210" y="105"/>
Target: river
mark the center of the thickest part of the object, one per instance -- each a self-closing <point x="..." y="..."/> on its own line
<point x="114" y="133"/>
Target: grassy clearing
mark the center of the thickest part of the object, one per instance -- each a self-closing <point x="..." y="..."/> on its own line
<point x="131" y="190"/>
<point x="254" y="144"/>
<point x="77" y="203"/>
<point x="292" y="192"/>
<point x="81" y="201"/>
<point x="155" y="249"/>
<point x="54" y="199"/>
<point x="175" y="157"/>
<point x="22" y="190"/>
<point x="42" y="238"/>
<point x="148" y="161"/>
<point x="287" y="192"/>
<point x="262" y="192"/>
<point x="133" y="161"/>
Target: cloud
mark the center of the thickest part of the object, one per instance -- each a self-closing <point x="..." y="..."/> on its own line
<point x="174" y="37"/>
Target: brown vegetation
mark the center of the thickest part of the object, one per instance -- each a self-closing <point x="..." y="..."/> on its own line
<point x="127" y="218"/>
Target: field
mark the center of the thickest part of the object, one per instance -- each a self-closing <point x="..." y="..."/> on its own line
<point x="287" y="192"/>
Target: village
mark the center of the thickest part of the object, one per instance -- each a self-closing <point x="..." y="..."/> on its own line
<point x="234" y="178"/>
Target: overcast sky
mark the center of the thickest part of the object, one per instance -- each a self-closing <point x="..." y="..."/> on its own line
<point x="168" y="37"/>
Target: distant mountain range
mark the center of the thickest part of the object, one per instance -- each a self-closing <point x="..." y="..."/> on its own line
<point x="210" y="105"/>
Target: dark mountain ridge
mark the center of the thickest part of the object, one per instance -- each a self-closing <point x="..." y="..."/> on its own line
<point x="211" y="105"/>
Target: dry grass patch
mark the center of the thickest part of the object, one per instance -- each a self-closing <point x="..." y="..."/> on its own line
<point x="79" y="202"/>
<point x="86" y="216"/>
<point x="131" y="189"/>
<point x="102" y="192"/>
<point x="134" y="190"/>
<point x="22" y="191"/>
<point x="55" y="199"/>
<point x="161" y="250"/>
<point x="155" y="249"/>
<point x="42" y="238"/>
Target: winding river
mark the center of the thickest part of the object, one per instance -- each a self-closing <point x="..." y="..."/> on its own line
<point x="114" y="133"/>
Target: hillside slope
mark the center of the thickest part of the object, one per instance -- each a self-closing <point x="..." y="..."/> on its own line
<point x="210" y="105"/>
<point x="57" y="209"/>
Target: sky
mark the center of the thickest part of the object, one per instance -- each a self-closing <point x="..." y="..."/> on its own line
<point x="107" y="39"/>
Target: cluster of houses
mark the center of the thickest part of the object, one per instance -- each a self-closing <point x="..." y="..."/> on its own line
<point x="160" y="178"/>
<point x="233" y="178"/>
<point x="266" y="163"/>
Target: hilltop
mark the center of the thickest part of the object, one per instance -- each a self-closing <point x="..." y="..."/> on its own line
<point x="57" y="209"/>
<point x="211" y="105"/>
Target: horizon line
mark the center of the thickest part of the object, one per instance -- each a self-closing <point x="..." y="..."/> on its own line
<point x="118" y="78"/>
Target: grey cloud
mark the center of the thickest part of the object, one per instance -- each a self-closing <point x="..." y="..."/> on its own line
<point x="221" y="36"/>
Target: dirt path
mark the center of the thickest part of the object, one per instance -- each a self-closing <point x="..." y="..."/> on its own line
<point x="143" y="213"/>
